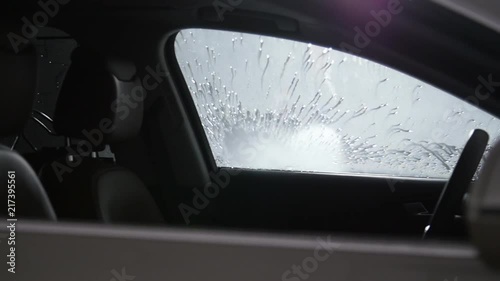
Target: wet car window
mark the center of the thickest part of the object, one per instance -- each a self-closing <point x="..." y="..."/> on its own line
<point x="274" y="104"/>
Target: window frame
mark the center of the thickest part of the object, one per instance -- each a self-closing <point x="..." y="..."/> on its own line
<point x="200" y="134"/>
<point x="188" y="102"/>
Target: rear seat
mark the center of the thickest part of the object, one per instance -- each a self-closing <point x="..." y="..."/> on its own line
<point x="18" y="80"/>
<point x="100" y="103"/>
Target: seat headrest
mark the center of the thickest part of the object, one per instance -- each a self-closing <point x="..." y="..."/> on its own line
<point x="100" y="96"/>
<point x="30" y="197"/>
<point x="18" y="77"/>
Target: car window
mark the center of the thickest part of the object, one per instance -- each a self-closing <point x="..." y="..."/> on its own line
<point x="275" y="104"/>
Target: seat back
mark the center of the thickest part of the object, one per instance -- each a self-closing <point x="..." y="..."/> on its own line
<point x="100" y="103"/>
<point x="24" y="192"/>
<point x="483" y="212"/>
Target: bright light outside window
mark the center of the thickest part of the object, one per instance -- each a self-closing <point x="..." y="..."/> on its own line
<point x="275" y="104"/>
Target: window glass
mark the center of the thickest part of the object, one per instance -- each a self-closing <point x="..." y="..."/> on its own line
<point x="270" y="103"/>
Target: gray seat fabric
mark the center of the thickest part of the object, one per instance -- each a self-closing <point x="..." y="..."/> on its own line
<point x="95" y="89"/>
<point x="30" y="199"/>
<point x="483" y="212"/>
<point x="18" y="81"/>
<point x="123" y="197"/>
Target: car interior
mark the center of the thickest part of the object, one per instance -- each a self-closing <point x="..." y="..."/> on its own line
<point x="137" y="127"/>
